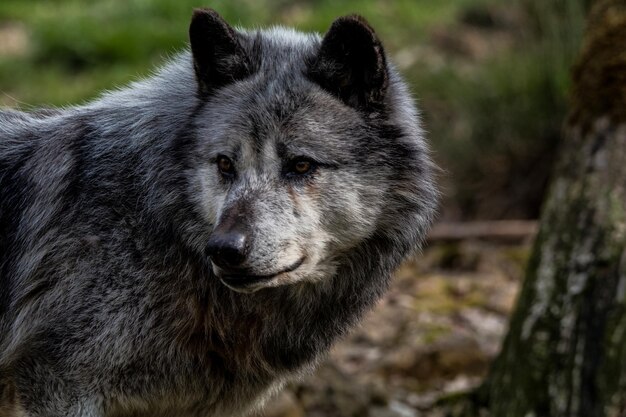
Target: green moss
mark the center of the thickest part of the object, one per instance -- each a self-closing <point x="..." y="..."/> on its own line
<point x="599" y="80"/>
<point x="435" y="332"/>
<point x="517" y="255"/>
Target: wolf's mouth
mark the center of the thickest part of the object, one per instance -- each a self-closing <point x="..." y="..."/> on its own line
<point x="246" y="281"/>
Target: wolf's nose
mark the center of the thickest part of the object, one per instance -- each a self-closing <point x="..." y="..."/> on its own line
<point x="227" y="250"/>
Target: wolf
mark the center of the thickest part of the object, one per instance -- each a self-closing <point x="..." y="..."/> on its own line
<point x="186" y="245"/>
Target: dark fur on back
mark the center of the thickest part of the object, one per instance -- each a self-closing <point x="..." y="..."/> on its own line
<point x="109" y="304"/>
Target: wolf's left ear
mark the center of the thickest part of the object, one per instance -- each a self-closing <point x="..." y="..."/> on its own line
<point x="351" y="63"/>
<point x="218" y="57"/>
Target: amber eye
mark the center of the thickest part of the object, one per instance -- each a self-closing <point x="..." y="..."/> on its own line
<point x="225" y="165"/>
<point x="302" y="167"/>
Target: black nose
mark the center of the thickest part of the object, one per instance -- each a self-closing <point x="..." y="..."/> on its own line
<point x="229" y="249"/>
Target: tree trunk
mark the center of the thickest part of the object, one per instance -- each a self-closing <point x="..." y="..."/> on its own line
<point x="565" y="353"/>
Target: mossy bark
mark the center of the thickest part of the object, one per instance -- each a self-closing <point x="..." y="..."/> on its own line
<point x="565" y="353"/>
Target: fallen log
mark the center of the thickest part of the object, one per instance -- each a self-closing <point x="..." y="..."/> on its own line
<point x="502" y="230"/>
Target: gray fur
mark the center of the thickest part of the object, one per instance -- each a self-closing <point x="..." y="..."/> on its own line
<point x="109" y="305"/>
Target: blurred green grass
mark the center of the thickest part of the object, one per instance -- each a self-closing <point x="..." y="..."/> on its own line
<point x="80" y="47"/>
<point x="490" y="76"/>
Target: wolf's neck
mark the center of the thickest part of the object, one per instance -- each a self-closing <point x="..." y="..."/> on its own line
<point x="280" y="330"/>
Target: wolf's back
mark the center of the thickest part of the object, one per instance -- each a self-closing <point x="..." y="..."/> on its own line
<point x="45" y="153"/>
<point x="31" y="144"/>
<point x="14" y="148"/>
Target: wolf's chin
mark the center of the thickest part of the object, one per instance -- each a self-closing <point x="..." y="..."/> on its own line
<point x="253" y="284"/>
<point x="244" y="290"/>
<point x="301" y="279"/>
<point x="243" y="281"/>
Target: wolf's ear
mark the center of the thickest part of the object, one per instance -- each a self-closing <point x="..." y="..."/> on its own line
<point x="218" y="57"/>
<point x="351" y="63"/>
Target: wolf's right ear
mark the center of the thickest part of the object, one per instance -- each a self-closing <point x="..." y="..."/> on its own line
<point x="351" y="63"/>
<point x="218" y="57"/>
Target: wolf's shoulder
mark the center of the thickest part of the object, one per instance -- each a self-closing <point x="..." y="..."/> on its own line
<point x="17" y="130"/>
<point x="17" y="124"/>
<point x="11" y="118"/>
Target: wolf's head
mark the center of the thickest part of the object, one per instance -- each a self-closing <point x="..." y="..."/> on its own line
<point x="306" y="147"/>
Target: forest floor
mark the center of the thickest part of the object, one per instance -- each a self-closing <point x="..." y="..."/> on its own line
<point x="431" y="338"/>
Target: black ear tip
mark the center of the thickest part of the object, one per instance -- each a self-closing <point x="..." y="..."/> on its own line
<point x="206" y="22"/>
<point x="207" y="18"/>
<point x="352" y="22"/>
<point x="205" y="13"/>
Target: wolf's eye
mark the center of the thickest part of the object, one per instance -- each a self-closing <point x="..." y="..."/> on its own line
<point x="302" y="167"/>
<point x="299" y="167"/>
<point x="225" y="165"/>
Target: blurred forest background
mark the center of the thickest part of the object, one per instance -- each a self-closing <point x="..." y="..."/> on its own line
<point x="491" y="78"/>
